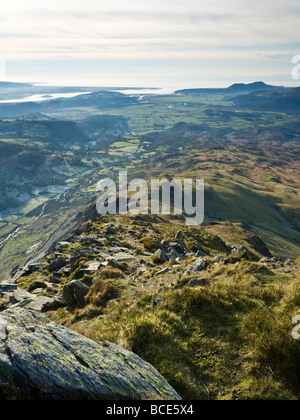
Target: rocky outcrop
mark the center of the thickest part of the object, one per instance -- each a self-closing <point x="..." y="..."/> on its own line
<point x="259" y="246"/>
<point x="16" y="297"/>
<point x="49" y="361"/>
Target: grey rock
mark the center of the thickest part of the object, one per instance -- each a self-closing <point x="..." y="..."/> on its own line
<point x="52" y="362"/>
<point x="162" y="272"/>
<point x="74" y="294"/>
<point x="161" y="256"/>
<point x="64" y="271"/>
<point x="55" y="280"/>
<point x="165" y="244"/>
<point x="157" y="301"/>
<point x="147" y="254"/>
<point x="110" y="230"/>
<point x="198" y="266"/>
<point x="124" y="257"/>
<point x="181" y="247"/>
<point x="113" y="263"/>
<point x="90" y="251"/>
<point x="195" y="268"/>
<point x="38" y="303"/>
<point x="118" y="249"/>
<point x="21" y="273"/>
<point x="21" y="299"/>
<point x="239" y="250"/>
<point x="174" y="252"/>
<point x="92" y="267"/>
<point x="57" y="264"/>
<point x="218" y="258"/>
<point x="180" y="258"/>
<point x="6" y="288"/>
<point x="3" y="325"/>
<point x="197" y="283"/>
<point x="200" y="253"/>
<point x="19" y="295"/>
<point x="178" y="235"/>
<point x="35" y="267"/>
<point x="94" y="240"/>
<point x="62" y="246"/>
<point x="106" y="237"/>
<point x="170" y="256"/>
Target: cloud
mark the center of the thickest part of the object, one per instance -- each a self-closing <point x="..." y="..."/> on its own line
<point x="236" y="30"/>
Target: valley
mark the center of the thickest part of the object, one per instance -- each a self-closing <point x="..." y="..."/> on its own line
<point x="249" y="159"/>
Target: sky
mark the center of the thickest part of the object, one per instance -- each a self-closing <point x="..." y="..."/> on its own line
<point x="152" y="43"/>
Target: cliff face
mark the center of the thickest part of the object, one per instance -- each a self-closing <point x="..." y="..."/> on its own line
<point x="40" y="359"/>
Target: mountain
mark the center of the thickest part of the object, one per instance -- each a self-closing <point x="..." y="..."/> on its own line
<point x="280" y="101"/>
<point x="252" y="87"/>
<point x="61" y="134"/>
<point x="236" y="89"/>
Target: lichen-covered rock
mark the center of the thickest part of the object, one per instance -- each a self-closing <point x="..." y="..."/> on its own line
<point x="21" y="298"/>
<point x="52" y="362"/>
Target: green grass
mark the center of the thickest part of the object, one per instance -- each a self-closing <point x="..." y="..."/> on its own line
<point x="230" y="340"/>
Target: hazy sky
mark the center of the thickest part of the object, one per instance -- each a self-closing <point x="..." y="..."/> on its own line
<point x="175" y="43"/>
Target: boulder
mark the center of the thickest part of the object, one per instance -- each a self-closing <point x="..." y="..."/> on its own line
<point x="62" y="246"/>
<point x="181" y="247"/>
<point x="57" y="264"/>
<point x="92" y="267"/>
<point x="198" y="266"/>
<point x="35" y="267"/>
<point x="178" y="235"/>
<point x="259" y="246"/>
<point x="198" y="282"/>
<point x="243" y="251"/>
<point x="110" y="230"/>
<point x="49" y="361"/>
<point x="239" y="250"/>
<point x="124" y="257"/>
<point x="157" y="301"/>
<point x="74" y="294"/>
<point x="55" y="280"/>
<point x="161" y="256"/>
<point x="174" y="252"/>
